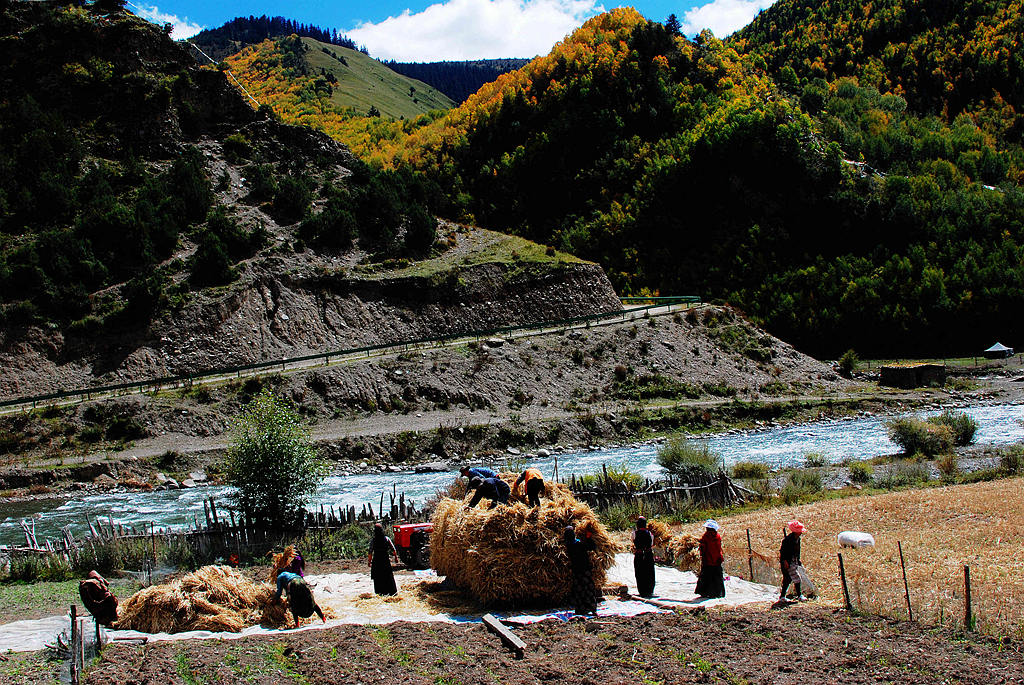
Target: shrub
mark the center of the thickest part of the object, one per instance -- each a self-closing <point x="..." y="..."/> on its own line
<point x="947" y="466"/>
<point x="692" y="461"/>
<point x="801" y="482"/>
<point x="291" y="200"/>
<point x="920" y="437"/>
<point x="272" y="462"/>
<point x="861" y="472"/>
<point x="620" y="476"/>
<point x="750" y="470"/>
<point x="815" y="460"/>
<point x="962" y="426"/>
<point x="1011" y="459"/>
<point x="904" y="473"/>
<point x="848" y="363"/>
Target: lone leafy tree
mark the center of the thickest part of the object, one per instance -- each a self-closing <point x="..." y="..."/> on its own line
<point x="272" y="462"/>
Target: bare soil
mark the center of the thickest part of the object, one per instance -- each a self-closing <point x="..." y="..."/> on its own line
<point x="801" y="644"/>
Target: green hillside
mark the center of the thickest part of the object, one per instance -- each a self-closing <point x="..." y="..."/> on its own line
<point x="332" y="80"/>
<point x="832" y="212"/>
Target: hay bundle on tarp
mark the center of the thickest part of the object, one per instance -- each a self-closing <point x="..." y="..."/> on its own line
<point x="661" y="533"/>
<point x="685" y="550"/>
<point x="515" y="555"/>
<point x="215" y="598"/>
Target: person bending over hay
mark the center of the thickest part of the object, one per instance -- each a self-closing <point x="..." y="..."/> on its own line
<point x="215" y="598"/>
<point x="300" y="597"/>
<point x="98" y="599"/>
<point x="516" y="555"/>
<point x="533" y="485"/>
<point x="494" y="489"/>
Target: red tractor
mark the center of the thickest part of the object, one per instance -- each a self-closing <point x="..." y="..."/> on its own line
<point x="412" y="541"/>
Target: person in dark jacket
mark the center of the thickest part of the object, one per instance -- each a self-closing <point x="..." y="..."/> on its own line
<point x="789" y="560"/>
<point x="643" y="558"/>
<point x="582" y="594"/>
<point x="711" y="581"/>
<point x="494" y="489"/>
<point x="98" y="599"/>
<point x="480" y="472"/>
<point x="300" y="597"/>
<point x="533" y="485"/>
<point x="383" y="576"/>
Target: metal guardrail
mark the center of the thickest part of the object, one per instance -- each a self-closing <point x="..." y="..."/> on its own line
<point x="403" y="346"/>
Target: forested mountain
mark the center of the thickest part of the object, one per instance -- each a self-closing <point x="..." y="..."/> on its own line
<point x="945" y="57"/>
<point x="133" y="181"/>
<point x="685" y="167"/>
<point x="241" y="32"/>
<point x="457" y="80"/>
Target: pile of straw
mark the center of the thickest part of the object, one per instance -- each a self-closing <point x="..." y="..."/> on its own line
<point x="685" y="550"/>
<point x="515" y="555"/>
<point x="281" y="561"/>
<point x="661" y="532"/>
<point x="214" y="598"/>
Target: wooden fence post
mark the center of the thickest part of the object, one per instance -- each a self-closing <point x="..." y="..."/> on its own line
<point x="906" y="587"/>
<point x="73" y="647"/>
<point x="968" y="617"/>
<point x="846" y="590"/>
<point x="750" y="557"/>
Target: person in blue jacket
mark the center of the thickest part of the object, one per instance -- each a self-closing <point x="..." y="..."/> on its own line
<point x="494" y="489"/>
<point x="478" y="472"/>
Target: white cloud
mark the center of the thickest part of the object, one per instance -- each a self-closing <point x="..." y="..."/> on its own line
<point x="183" y="28"/>
<point x="474" y="29"/>
<point x="723" y="16"/>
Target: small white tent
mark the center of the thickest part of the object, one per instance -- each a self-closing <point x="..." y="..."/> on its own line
<point x="998" y="351"/>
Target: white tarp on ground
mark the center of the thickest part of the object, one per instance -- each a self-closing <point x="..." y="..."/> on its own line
<point x="349" y="599"/>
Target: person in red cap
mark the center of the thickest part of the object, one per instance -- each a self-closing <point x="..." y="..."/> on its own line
<point x="789" y="560"/>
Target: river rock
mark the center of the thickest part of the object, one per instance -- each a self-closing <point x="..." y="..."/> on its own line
<point x="188" y="483"/>
<point x="198" y="476"/>
<point x="432" y="467"/>
<point x="104" y="481"/>
<point x="495" y="342"/>
<point x="171" y="484"/>
<point x="513" y="451"/>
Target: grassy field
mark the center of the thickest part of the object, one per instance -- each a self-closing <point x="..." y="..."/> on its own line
<point x="364" y="82"/>
<point x="941" y="530"/>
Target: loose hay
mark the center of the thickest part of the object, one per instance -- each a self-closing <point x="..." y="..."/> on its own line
<point x="214" y="598"/>
<point x="281" y="561"/>
<point x="661" y="532"/>
<point x="515" y="555"/>
<point x="685" y="551"/>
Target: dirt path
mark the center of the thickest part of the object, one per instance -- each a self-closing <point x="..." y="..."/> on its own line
<point x="802" y="644"/>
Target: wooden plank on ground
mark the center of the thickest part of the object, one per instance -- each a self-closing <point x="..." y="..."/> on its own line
<point x="509" y="639"/>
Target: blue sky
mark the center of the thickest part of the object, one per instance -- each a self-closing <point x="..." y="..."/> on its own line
<point x="434" y="30"/>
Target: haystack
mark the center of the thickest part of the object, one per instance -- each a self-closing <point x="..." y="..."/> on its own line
<point x="215" y="598"/>
<point x="685" y="550"/>
<point x="515" y="555"/>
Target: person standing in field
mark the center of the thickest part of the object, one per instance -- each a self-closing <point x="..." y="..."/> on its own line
<point x="789" y="560"/>
<point x="533" y="485"/>
<point x="379" y="560"/>
<point x="643" y="558"/>
<point x="581" y="594"/>
<point x="711" y="581"/>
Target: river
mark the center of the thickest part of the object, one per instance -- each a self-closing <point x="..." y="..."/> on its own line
<point x="855" y="437"/>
